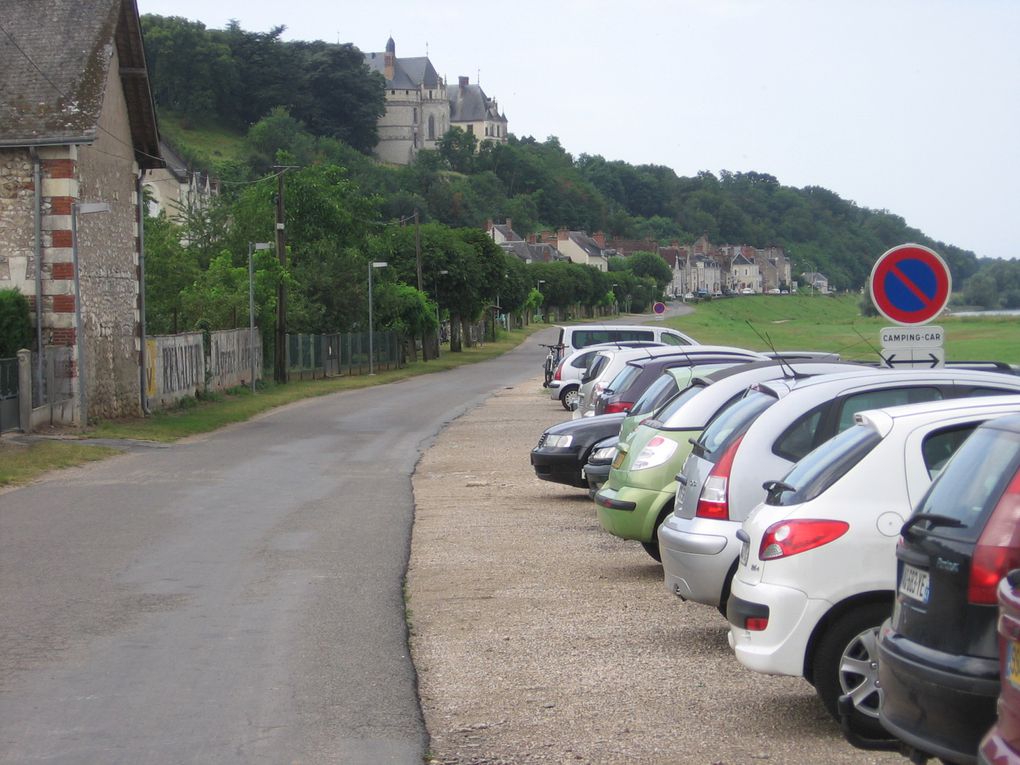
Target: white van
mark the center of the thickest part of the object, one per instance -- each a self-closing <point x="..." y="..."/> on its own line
<point x="583" y="335"/>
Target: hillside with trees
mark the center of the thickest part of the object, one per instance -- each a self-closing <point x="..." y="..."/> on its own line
<point x="315" y="106"/>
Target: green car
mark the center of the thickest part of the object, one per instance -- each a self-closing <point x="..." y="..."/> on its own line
<point x="639" y="494"/>
<point x="641" y="487"/>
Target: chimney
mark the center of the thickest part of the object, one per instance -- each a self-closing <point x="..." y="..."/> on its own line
<point x="389" y="63"/>
<point x="463" y="82"/>
<point x="509" y="223"/>
<point x="600" y="239"/>
<point x="532" y="239"/>
<point x="488" y="225"/>
<point x="562" y="234"/>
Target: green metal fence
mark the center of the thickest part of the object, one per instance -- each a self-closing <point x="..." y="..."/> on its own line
<point x="314" y="356"/>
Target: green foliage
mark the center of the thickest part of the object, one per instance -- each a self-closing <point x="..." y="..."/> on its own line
<point x="995" y="285"/>
<point x="458" y="148"/>
<point x="649" y="264"/>
<point x="15" y="323"/>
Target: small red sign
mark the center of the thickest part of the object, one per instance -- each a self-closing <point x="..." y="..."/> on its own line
<point x="910" y="284"/>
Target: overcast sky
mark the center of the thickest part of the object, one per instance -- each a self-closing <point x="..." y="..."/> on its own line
<point x="911" y="106"/>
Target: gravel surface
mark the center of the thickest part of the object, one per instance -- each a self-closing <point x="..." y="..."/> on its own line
<point x="540" y="638"/>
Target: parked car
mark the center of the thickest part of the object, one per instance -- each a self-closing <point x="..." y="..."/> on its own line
<point x="634" y="379"/>
<point x="1001" y="745"/>
<point x="817" y="570"/>
<point x="608" y="363"/>
<point x="641" y="488"/>
<point x="563" y="449"/>
<point x="939" y="653"/>
<point x="582" y="335"/>
<point x="664" y="389"/>
<point x="760" y="437"/>
<point x="566" y="378"/>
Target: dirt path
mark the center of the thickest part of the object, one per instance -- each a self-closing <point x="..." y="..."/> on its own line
<point x="540" y="638"/>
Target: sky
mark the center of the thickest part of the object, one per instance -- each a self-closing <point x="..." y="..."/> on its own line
<point x="909" y="106"/>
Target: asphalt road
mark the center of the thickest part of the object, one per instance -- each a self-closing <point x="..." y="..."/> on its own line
<point x="233" y="598"/>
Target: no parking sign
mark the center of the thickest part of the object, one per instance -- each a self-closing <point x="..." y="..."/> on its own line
<point x="910" y="284"/>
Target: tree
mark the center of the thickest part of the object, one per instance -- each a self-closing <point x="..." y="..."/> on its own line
<point x="170" y="269"/>
<point x="15" y="323"/>
<point x="458" y="148"/>
<point x="649" y="264"/>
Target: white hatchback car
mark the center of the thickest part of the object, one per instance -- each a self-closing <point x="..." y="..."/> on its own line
<point x="566" y="381"/>
<point x="817" y="569"/>
<point x="761" y="436"/>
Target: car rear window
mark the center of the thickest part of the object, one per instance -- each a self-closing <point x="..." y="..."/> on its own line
<point x="595" y="368"/>
<point x="665" y="417"/>
<point x="877" y="399"/>
<point x="623" y="379"/>
<point x="940" y="445"/>
<point x="971" y="483"/>
<point x="733" y="420"/>
<point x="659" y="391"/>
<point x="631" y="334"/>
<point x="821" y="468"/>
<point x="669" y="339"/>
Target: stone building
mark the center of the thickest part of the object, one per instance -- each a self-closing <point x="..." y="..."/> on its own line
<point x="176" y="188"/>
<point x="77" y="127"/>
<point x="420" y="108"/>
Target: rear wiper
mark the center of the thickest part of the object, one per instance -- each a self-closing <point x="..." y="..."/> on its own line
<point x="780" y="486"/>
<point x="696" y="443"/>
<point x="933" y="519"/>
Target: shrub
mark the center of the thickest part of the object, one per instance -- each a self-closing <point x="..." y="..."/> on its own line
<point x="15" y="323"/>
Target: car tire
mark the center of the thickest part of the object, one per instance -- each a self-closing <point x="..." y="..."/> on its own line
<point x="846" y="662"/>
<point x="652" y="548"/>
<point x="570" y="398"/>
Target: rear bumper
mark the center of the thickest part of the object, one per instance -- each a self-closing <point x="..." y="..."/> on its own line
<point x="938" y="711"/>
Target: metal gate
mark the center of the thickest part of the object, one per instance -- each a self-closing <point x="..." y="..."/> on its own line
<point x="9" y="408"/>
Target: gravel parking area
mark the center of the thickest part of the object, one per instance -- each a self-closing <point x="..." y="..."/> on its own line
<point x="538" y="637"/>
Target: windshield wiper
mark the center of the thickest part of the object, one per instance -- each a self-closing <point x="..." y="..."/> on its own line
<point x="696" y="443"/>
<point x="933" y="519"/>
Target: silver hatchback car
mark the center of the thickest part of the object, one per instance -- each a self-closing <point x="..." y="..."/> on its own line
<point x="761" y="436"/>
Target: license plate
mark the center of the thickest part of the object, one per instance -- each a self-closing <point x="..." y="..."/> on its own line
<point x="618" y="459"/>
<point x="745" y="552"/>
<point x="914" y="583"/>
<point x="1013" y="663"/>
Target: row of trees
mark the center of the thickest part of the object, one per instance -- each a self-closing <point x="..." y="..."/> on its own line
<point x="197" y="276"/>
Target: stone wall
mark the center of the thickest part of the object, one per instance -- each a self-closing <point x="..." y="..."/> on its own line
<point x="230" y="358"/>
<point x="108" y="262"/>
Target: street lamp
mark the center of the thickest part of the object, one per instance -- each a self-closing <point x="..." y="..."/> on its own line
<point x="371" y="350"/>
<point x="252" y="246"/>
<point x="81" y="208"/>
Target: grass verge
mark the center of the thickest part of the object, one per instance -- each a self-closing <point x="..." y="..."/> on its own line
<point x="20" y="464"/>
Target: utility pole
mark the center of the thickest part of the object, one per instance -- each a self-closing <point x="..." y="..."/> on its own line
<point x="417" y="248"/>
<point x="280" y="367"/>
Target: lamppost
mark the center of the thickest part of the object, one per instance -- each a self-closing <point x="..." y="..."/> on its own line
<point x="81" y="208"/>
<point x="616" y="302"/>
<point x="371" y="350"/>
<point x="539" y="288"/>
<point x="439" y="322"/>
<point x="252" y="246"/>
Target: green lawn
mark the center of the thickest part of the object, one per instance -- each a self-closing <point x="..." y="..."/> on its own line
<point x="213" y="142"/>
<point x="818" y="322"/>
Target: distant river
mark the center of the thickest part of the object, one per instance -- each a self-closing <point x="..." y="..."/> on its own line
<point x="986" y="313"/>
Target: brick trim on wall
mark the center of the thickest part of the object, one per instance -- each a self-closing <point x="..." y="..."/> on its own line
<point x="62" y="271"/>
<point x="63" y="304"/>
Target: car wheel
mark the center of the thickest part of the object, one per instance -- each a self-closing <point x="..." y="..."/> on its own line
<point x="846" y="662"/>
<point x="570" y="398"/>
<point x="652" y="548"/>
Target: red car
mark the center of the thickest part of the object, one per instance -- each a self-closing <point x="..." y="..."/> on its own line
<point x="1001" y="746"/>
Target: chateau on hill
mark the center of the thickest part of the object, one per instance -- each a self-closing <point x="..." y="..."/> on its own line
<point x="420" y="107"/>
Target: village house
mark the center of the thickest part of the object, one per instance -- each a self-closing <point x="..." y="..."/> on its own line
<point x="420" y="108"/>
<point x="176" y="188"/>
<point x="77" y="128"/>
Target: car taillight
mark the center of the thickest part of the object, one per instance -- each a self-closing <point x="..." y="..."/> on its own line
<point x="618" y="406"/>
<point x="786" y="538"/>
<point x="714" y="501"/>
<point x="558" y="374"/>
<point x="998" y="548"/>
<point x="756" y="623"/>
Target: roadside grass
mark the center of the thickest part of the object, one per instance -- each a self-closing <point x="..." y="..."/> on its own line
<point x="237" y="405"/>
<point x="834" y="323"/>
<point x="20" y="464"/>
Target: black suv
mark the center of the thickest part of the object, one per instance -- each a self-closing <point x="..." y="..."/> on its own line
<point x="938" y="655"/>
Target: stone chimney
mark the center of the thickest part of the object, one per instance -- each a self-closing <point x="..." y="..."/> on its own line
<point x="390" y="62"/>
<point x="600" y="239"/>
<point x="462" y="81"/>
<point x="562" y="235"/>
<point x="509" y="223"/>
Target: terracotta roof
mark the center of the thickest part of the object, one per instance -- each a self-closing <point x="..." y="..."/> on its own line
<point x="54" y="60"/>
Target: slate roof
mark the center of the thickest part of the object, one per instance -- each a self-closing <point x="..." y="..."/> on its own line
<point x="468" y="103"/>
<point x="54" y="60"/>
<point x="740" y="260"/>
<point x="408" y="73"/>
<point x="507" y="233"/>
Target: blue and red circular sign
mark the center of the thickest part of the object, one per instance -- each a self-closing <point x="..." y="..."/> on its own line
<point x="910" y="284"/>
<point x="659" y="308"/>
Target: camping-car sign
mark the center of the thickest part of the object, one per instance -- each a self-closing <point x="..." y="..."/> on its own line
<point x="910" y="284"/>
